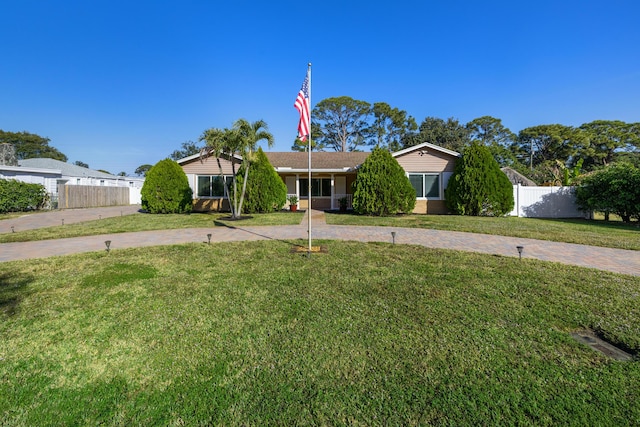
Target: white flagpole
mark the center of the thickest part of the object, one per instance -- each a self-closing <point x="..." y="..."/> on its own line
<point x="309" y="150"/>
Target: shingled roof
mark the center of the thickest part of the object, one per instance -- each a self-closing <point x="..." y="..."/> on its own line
<point x="67" y="169"/>
<point x="517" y="178"/>
<point x="319" y="160"/>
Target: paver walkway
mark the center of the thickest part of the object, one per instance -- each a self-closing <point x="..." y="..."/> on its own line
<point x="616" y="260"/>
<point x="31" y="221"/>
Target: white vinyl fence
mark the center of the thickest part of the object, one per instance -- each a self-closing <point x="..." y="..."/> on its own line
<point x="135" y="197"/>
<point x="545" y="202"/>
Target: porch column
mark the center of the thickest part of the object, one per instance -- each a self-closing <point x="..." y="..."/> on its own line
<point x="333" y="190"/>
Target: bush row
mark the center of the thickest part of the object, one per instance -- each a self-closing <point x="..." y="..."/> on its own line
<point x="613" y="189"/>
<point x="16" y="196"/>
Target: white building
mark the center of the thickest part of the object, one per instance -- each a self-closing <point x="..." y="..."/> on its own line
<point x="50" y="173"/>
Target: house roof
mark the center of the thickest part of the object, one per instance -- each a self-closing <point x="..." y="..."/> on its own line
<point x="425" y="146"/>
<point x="517" y="178"/>
<point x="296" y="161"/>
<point x="201" y="155"/>
<point x="23" y="169"/>
<point x="320" y="161"/>
<point x="67" y="169"/>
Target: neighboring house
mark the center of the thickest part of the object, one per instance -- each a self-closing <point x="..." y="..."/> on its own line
<point x="78" y="175"/>
<point x="517" y="178"/>
<point x="428" y="167"/>
<point x="49" y="178"/>
<point x="51" y="173"/>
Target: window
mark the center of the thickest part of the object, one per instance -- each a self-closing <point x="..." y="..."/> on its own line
<point x="320" y="187"/>
<point x="426" y="185"/>
<point x="212" y="186"/>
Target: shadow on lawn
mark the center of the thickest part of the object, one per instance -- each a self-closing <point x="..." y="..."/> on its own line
<point x="218" y="223"/>
<point x="12" y="291"/>
<point x="599" y="223"/>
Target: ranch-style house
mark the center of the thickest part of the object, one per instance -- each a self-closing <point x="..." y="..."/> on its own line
<point x="427" y="166"/>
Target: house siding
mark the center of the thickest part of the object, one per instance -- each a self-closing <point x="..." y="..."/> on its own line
<point x="431" y="161"/>
<point x="433" y="207"/>
<point x="208" y="166"/>
<point x="211" y="205"/>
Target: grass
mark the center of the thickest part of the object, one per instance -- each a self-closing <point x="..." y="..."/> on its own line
<point x="584" y="232"/>
<point x="367" y="334"/>
<point x="147" y="222"/>
<point x="594" y="233"/>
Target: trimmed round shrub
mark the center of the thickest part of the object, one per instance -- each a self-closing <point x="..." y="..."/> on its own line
<point x="382" y="187"/>
<point x="478" y="187"/>
<point x="166" y="189"/>
<point x="266" y="191"/>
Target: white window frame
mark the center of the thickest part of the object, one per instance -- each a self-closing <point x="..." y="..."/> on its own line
<point x="425" y="174"/>
<point x="211" y="177"/>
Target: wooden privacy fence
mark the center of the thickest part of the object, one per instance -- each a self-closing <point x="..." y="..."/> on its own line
<point x="85" y="196"/>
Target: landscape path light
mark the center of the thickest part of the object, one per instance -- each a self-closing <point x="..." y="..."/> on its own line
<point x="108" y="244"/>
<point x="209" y="238"/>
<point x="520" y="249"/>
<point x="393" y="237"/>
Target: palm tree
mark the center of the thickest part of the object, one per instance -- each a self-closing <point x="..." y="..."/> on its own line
<point x="242" y="141"/>
<point x="248" y="135"/>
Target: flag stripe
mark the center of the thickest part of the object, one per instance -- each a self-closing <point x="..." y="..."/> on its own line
<point x="302" y="105"/>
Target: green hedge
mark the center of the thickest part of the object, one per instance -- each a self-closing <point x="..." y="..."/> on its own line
<point x="612" y="189"/>
<point x="16" y="196"/>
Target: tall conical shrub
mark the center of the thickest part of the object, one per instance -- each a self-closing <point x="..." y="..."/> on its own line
<point x="382" y="187"/>
<point x="478" y="186"/>
<point x="266" y="191"/>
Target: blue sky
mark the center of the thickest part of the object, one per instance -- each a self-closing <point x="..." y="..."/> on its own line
<point x="117" y="84"/>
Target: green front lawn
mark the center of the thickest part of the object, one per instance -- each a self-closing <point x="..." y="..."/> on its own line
<point x="367" y="334"/>
<point x="594" y="233"/>
<point x="584" y="232"/>
<point x="147" y="222"/>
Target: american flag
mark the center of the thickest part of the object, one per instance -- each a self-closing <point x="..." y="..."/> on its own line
<point x="302" y="105"/>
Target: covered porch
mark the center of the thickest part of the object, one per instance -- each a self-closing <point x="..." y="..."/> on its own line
<point x="332" y="177"/>
<point x="327" y="193"/>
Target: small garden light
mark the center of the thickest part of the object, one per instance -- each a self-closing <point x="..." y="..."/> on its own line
<point x="520" y="249"/>
<point x="209" y="238"/>
<point x="393" y="237"/>
<point x="12" y="229"/>
<point x="108" y="244"/>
